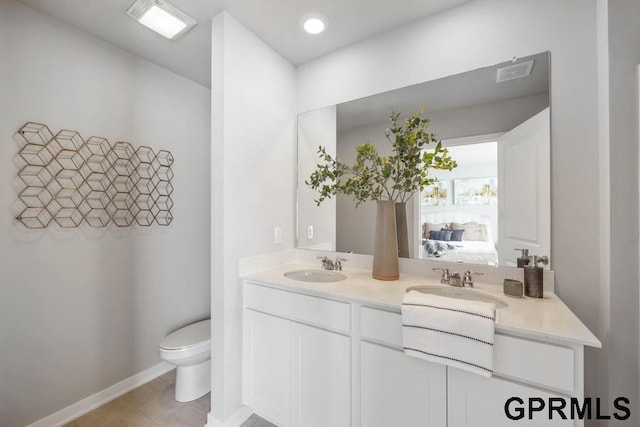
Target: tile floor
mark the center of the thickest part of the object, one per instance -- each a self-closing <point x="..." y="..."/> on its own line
<point x="153" y="405"/>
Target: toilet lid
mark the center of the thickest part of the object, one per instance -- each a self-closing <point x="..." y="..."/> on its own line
<point x="189" y="336"/>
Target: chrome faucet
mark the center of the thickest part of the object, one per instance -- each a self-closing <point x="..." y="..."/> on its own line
<point x="467" y="280"/>
<point x="452" y="279"/>
<point x="329" y="264"/>
<point x="456" y="280"/>
<point x="445" y="279"/>
<point x="337" y="265"/>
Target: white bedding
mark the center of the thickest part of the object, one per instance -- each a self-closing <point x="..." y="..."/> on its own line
<point x="473" y="251"/>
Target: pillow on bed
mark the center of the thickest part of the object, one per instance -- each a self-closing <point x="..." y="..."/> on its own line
<point x="442" y="235"/>
<point x="427" y="227"/>
<point x="472" y="231"/>
<point x="456" y="235"/>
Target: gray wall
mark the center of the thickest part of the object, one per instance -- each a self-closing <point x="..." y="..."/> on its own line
<point x="83" y="309"/>
<point x="622" y="337"/>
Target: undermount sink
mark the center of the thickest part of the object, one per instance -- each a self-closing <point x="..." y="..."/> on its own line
<point x="319" y="276"/>
<point x="459" y="293"/>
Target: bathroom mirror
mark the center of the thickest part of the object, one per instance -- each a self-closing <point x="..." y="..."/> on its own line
<point x="495" y="122"/>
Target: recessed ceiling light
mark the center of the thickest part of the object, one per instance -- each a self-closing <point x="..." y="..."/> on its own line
<point x="313" y="23"/>
<point x="161" y="17"/>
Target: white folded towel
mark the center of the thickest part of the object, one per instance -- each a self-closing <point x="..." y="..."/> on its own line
<point x="451" y="331"/>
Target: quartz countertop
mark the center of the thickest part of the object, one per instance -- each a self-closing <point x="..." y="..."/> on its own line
<point x="545" y="318"/>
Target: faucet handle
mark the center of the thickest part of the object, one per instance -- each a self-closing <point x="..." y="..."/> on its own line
<point x="446" y="276"/>
<point x="467" y="280"/>
<point x="338" y="263"/>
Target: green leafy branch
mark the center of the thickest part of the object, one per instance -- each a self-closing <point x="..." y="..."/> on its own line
<point x="375" y="178"/>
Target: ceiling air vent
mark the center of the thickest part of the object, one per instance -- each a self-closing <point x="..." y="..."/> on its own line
<point x="515" y="71"/>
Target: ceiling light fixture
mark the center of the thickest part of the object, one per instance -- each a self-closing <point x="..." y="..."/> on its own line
<point x="313" y="23"/>
<point x="161" y="17"/>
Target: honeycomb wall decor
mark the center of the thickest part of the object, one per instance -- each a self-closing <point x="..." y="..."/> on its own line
<point x="68" y="181"/>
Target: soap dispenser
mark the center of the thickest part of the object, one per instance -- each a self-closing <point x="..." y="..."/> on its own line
<point x="524" y="258"/>
<point x="533" y="286"/>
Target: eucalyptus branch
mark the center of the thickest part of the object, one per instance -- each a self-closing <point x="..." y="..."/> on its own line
<point x="396" y="177"/>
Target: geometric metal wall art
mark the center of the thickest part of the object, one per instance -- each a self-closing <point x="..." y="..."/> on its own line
<point x="69" y="181"/>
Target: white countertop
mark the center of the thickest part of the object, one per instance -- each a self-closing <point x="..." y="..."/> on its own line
<point x="545" y="318"/>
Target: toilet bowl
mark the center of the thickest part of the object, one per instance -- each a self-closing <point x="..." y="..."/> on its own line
<point x="189" y="349"/>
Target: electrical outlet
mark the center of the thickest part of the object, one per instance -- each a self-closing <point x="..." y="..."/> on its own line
<point x="310" y="232"/>
<point x="277" y="235"/>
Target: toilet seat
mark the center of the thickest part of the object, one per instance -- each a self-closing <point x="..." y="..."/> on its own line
<point x="190" y="337"/>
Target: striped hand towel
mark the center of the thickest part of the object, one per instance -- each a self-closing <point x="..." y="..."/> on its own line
<point x="451" y="331"/>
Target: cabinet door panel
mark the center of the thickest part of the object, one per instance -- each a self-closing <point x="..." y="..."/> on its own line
<point x="321" y="392"/>
<point x="399" y="390"/>
<point x="477" y="401"/>
<point x="266" y="370"/>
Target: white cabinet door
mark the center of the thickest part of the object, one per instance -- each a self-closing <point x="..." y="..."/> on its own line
<point x="266" y="366"/>
<point x="321" y="378"/>
<point x="477" y="401"/>
<point x="399" y="390"/>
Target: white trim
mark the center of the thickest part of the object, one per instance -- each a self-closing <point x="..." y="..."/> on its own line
<point x="98" y="399"/>
<point x="235" y="420"/>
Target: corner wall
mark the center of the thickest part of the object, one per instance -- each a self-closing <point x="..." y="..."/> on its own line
<point x="624" y="58"/>
<point x="252" y="181"/>
<point x="485" y="32"/>
<point x="82" y="309"/>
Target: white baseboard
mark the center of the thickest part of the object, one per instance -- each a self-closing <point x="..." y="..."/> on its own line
<point x="94" y="401"/>
<point x="235" y="420"/>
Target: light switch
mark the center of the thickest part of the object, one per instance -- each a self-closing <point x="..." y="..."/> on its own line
<point x="310" y="232"/>
<point x="277" y="235"/>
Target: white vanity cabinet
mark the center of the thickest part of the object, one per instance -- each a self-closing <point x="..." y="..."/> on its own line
<point x="267" y="365"/>
<point x="397" y="389"/>
<point x="523" y="368"/>
<point x="312" y="361"/>
<point x="296" y="358"/>
<point x="476" y="401"/>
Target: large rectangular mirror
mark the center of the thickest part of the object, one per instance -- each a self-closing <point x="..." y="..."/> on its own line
<point x="495" y="122"/>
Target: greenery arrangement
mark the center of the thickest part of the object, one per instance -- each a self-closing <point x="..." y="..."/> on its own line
<point x="396" y="177"/>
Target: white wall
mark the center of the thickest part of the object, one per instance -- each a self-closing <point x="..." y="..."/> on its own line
<point x="253" y="183"/>
<point x="484" y="32"/>
<point x="315" y="128"/>
<point x="83" y="309"/>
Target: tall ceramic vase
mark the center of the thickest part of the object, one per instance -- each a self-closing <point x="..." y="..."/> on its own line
<point x="401" y="227"/>
<point x="385" y="251"/>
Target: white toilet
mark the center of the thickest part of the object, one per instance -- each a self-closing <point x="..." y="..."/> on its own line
<point x="189" y="349"/>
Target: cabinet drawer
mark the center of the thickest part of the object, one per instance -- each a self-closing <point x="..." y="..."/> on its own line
<point x="381" y="326"/>
<point x="315" y="311"/>
<point x="534" y="362"/>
